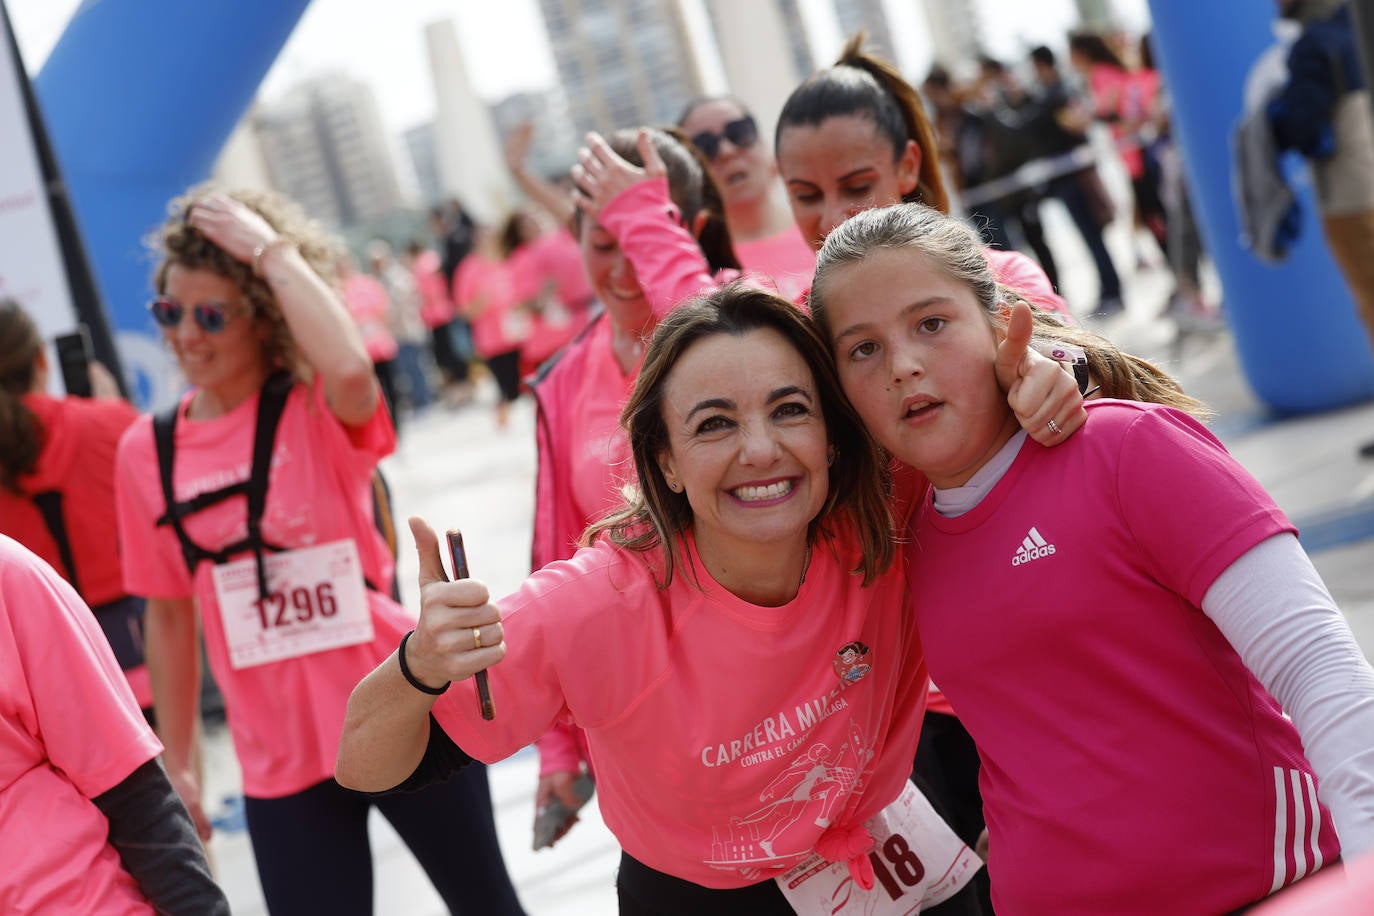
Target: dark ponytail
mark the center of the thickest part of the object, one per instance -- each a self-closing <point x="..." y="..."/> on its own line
<point x="21" y="437"/>
<point x="863" y="84"/>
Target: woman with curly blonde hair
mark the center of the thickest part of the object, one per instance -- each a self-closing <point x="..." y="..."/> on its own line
<point x="248" y="510"/>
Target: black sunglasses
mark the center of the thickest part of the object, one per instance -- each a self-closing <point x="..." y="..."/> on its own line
<point x="742" y="132"/>
<point x="169" y="312"/>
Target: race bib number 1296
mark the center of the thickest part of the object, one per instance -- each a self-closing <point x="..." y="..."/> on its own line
<point x="316" y="601"/>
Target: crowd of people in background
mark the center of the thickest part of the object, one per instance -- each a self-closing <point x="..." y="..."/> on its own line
<point x="1018" y="133"/>
<point x="776" y="428"/>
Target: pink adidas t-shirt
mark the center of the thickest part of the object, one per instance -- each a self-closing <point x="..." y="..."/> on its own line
<point x="724" y="735"/>
<point x="1132" y="764"/>
<point x="784" y="256"/>
<point x="70" y="730"/>
<point x="285" y="716"/>
<point x="498" y="327"/>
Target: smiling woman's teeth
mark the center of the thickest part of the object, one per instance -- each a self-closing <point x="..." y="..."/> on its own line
<point x="772" y="491"/>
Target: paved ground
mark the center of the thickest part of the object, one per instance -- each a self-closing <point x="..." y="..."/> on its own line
<point x="455" y="468"/>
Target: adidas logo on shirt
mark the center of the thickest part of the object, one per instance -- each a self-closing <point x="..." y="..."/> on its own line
<point x="1033" y="547"/>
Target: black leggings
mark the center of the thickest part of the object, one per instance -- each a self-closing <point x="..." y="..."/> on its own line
<point x="645" y="891"/>
<point x="946" y="770"/>
<point x="505" y="368"/>
<point x="313" y="854"/>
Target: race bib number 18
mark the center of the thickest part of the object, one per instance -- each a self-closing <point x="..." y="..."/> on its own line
<point x="316" y="601"/>
<point x="917" y="862"/>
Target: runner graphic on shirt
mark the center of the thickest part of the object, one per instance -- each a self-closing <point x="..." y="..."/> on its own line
<point x="816" y="783"/>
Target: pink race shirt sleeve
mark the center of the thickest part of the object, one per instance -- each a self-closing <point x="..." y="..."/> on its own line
<point x="667" y="259"/>
<point x="1192" y="507"/>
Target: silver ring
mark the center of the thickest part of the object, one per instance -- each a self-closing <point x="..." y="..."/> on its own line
<point x="1054" y="428"/>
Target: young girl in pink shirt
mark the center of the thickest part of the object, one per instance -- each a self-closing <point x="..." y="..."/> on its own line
<point x="247" y="511"/>
<point x="1121" y="622"/>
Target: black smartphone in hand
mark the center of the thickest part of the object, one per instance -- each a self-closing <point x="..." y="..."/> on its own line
<point x="74" y="356"/>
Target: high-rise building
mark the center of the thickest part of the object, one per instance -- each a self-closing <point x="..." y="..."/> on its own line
<point x="757" y="53"/>
<point x="471" y="165"/>
<point x="798" y="42"/>
<point x="421" y="146"/>
<point x="241" y="163"/>
<point x="956" y="32"/>
<point x="325" y="146"/>
<point x="621" y="63"/>
<point x="871" y="16"/>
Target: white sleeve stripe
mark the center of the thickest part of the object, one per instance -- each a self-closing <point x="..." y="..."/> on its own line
<point x="1314" y="835"/>
<point x="1299" y="827"/>
<point x="1280" y="830"/>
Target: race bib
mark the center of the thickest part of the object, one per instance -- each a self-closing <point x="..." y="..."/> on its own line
<point x="917" y="862"/>
<point x="316" y="601"/>
<point x="516" y="325"/>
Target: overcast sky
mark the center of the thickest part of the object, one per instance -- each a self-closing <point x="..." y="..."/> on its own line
<point x="504" y="42"/>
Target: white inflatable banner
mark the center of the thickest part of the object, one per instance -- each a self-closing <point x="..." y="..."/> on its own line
<point x="31" y="266"/>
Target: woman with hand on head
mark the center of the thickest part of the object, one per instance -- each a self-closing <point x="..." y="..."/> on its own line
<point x="644" y="185"/>
<point x="57" y="459"/>
<point x="248" y="510"/>
<point x="759" y="689"/>
<point x="1121" y="622"/>
<point x="766" y="239"/>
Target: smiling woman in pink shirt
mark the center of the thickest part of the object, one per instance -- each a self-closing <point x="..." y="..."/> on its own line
<point x="735" y="642"/>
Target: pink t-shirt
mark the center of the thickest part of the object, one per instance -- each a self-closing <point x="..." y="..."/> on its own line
<point x="599" y="450"/>
<point x="436" y="306"/>
<point x="1013" y="269"/>
<point x="69" y="730"/>
<point x="725" y="736"/>
<point x="784" y="256"/>
<point x="485" y="291"/>
<point x="555" y="256"/>
<point x="1132" y="764"/>
<point x="285" y="716"/>
<point x="369" y="304"/>
<point x="552" y="262"/>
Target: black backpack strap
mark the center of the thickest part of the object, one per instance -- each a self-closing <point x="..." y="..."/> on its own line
<point x="50" y="505"/>
<point x="270" y="407"/>
<point x="164" y="438"/>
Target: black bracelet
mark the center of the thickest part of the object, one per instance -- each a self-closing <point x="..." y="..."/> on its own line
<point x="405" y="671"/>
